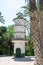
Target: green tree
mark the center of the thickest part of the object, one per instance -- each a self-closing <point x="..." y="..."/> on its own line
<point x="6" y="45"/>
<point x="2" y="31"/>
<point x="1" y="18"/>
<point x="29" y="46"/>
<point x="10" y="31"/>
<point x="26" y="16"/>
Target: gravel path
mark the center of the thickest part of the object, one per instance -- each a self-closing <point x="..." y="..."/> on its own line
<point x="17" y="61"/>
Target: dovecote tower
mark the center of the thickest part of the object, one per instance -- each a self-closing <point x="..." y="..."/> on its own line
<point x="19" y="36"/>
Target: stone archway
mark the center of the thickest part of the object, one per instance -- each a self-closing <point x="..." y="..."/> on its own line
<point x="18" y="53"/>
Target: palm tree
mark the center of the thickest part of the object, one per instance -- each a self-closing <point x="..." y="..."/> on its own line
<point x="35" y="31"/>
<point x="1" y="18"/>
<point x="26" y="16"/>
<point x="41" y="29"/>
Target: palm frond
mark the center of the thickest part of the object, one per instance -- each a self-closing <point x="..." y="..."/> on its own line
<point x="1" y="18"/>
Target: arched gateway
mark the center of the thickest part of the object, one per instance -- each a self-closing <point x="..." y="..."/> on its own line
<point x="18" y="52"/>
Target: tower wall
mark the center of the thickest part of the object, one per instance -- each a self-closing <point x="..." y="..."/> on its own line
<point x="19" y="36"/>
<point x="21" y="45"/>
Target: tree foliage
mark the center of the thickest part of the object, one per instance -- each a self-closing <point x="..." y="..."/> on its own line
<point x="1" y="18"/>
<point x="10" y="31"/>
<point x="29" y="46"/>
<point x="6" y="45"/>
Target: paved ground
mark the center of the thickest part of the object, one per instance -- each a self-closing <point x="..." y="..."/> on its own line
<point x="17" y="61"/>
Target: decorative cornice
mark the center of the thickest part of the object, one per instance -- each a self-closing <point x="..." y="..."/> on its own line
<point x="20" y="25"/>
<point x="19" y="18"/>
<point x="20" y="39"/>
<point x="19" y="32"/>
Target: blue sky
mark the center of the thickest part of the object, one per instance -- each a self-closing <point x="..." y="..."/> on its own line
<point x="9" y="8"/>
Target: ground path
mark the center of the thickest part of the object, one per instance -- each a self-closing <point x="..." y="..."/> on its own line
<point x="17" y="61"/>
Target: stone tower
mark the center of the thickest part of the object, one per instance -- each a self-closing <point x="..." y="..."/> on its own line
<point x="19" y="37"/>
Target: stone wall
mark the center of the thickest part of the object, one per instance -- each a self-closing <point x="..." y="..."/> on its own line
<point x="19" y="44"/>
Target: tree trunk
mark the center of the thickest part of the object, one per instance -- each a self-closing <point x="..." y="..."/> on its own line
<point x="41" y="29"/>
<point x="35" y="32"/>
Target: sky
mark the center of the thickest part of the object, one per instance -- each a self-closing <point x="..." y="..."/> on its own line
<point x="9" y="9"/>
